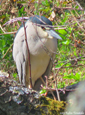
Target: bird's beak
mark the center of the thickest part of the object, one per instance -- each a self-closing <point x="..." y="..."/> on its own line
<point x="53" y="34"/>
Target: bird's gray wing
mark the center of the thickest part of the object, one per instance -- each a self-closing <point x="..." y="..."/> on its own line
<point x="47" y="73"/>
<point x="20" y="54"/>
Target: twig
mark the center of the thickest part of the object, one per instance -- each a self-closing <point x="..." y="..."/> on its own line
<point x="7" y="51"/>
<point x="53" y="89"/>
<point x="1" y="94"/>
<point x="72" y="66"/>
<point x="49" y="90"/>
<point x="2" y="28"/>
<point x="67" y="61"/>
<point x="68" y="8"/>
<point x="8" y="33"/>
<point x="28" y="56"/>
<point x="77" y="21"/>
<point x="56" y="87"/>
<point x="15" y="20"/>
<point x="27" y="18"/>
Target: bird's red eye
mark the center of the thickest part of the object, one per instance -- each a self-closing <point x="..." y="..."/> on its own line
<point x="43" y="28"/>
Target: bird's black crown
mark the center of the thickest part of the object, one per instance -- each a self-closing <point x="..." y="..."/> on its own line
<point x="40" y="20"/>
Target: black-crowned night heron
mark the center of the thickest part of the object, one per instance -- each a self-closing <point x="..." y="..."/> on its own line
<point x="42" y="42"/>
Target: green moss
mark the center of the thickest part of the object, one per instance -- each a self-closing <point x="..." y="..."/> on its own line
<point x="51" y="107"/>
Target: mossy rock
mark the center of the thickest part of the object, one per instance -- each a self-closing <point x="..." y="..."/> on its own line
<point x="51" y="107"/>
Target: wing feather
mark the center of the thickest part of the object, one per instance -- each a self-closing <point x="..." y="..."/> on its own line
<point x="20" y="55"/>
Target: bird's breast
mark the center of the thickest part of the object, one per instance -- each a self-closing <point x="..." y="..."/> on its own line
<point x="41" y="46"/>
<point x="39" y="64"/>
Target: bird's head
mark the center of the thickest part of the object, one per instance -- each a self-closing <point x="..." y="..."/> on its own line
<point x="44" y="27"/>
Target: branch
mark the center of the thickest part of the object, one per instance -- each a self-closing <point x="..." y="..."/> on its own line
<point x="28" y="56"/>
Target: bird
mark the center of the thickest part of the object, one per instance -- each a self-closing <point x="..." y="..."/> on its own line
<point x="42" y="43"/>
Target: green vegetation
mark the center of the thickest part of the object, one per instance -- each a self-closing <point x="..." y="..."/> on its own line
<point x="68" y="22"/>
